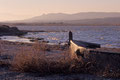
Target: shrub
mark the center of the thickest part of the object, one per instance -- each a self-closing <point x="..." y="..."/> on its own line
<point x="34" y="60"/>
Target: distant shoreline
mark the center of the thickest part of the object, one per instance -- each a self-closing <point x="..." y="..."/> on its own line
<point x="55" y="24"/>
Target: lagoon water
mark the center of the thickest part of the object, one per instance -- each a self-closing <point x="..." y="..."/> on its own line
<point x="107" y="36"/>
<point x="15" y="39"/>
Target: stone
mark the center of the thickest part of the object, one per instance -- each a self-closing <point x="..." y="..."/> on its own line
<point x="10" y="31"/>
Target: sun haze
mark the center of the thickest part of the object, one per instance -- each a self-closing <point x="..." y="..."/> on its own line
<point x="23" y="9"/>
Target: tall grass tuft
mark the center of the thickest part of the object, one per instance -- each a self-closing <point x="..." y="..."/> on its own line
<point x="34" y="60"/>
<point x="30" y="60"/>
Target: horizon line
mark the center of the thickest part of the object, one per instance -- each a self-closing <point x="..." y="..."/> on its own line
<point x="63" y="13"/>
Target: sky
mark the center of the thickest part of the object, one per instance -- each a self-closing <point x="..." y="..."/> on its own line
<point x="23" y="9"/>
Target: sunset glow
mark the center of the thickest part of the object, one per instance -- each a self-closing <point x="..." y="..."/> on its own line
<point x="23" y="9"/>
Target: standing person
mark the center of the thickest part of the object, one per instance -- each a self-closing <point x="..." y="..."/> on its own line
<point x="70" y="37"/>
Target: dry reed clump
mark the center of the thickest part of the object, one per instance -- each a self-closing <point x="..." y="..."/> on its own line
<point x="30" y="60"/>
<point x="34" y="60"/>
<point x="40" y="63"/>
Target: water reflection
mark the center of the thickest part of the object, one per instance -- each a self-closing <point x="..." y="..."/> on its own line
<point x="15" y="39"/>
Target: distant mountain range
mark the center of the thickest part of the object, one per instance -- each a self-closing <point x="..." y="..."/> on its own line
<point x="97" y="21"/>
<point x="83" y="18"/>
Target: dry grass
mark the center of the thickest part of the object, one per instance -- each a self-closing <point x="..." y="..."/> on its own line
<point x="29" y="62"/>
<point x="35" y="60"/>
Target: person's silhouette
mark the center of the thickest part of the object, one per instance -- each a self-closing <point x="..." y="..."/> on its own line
<point x="70" y="37"/>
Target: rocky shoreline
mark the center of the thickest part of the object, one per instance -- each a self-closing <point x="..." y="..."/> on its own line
<point x="6" y="30"/>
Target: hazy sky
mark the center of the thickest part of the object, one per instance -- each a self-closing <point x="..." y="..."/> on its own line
<point x="21" y="9"/>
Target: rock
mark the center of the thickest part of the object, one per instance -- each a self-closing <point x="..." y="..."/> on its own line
<point x="12" y="31"/>
<point x="40" y="38"/>
<point x="32" y="40"/>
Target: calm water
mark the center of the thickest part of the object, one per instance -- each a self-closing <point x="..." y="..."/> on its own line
<point x="107" y="36"/>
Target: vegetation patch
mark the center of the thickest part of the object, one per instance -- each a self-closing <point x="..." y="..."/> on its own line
<point x="37" y="60"/>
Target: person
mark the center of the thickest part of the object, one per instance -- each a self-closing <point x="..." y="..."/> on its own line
<point x="70" y="37"/>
